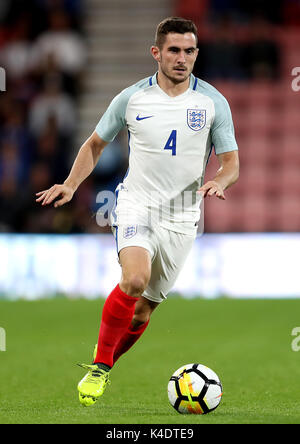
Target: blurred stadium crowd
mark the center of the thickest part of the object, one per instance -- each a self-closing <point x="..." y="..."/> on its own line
<point x="43" y="52"/>
<point x="247" y="50"/>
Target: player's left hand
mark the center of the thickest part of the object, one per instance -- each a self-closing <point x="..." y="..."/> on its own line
<point x="211" y="188"/>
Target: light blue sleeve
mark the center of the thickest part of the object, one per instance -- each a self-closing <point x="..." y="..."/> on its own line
<point x="222" y="130"/>
<point x="113" y="120"/>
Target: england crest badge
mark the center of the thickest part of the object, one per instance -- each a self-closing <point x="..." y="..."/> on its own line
<point x="196" y="119"/>
<point x="129" y="231"/>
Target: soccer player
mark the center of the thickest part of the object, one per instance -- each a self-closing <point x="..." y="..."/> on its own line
<point x="173" y="120"/>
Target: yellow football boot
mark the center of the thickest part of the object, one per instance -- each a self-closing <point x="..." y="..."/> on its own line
<point x="92" y="386"/>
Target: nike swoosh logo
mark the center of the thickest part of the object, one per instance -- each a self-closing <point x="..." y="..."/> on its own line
<point x="143" y="118"/>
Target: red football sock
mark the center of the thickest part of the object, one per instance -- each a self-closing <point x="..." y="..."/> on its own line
<point x="117" y="314"/>
<point x="128" y="340"/>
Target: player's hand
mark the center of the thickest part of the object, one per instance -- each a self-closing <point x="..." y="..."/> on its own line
<point x="211" y="188"/>
<point x="63" y="193"/>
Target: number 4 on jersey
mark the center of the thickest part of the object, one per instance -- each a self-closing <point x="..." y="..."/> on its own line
<point x="171" y="143"/>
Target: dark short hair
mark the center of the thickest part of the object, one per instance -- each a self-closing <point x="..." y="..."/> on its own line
<point x="173" y="24"/>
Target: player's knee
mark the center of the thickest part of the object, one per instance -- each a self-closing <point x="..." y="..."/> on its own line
<point x="134" y="285"/>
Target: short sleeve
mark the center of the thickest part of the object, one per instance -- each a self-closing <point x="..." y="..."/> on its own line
<point x="222" y="131"/>
<point x="113" y="120"/>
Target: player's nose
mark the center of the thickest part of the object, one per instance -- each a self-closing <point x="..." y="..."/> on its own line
<point x="181" y="57"/>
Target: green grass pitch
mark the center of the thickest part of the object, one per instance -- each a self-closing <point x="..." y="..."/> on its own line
<point x="246" y="342"/>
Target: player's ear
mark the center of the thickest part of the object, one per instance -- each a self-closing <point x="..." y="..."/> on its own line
<point x="155" y="53"/>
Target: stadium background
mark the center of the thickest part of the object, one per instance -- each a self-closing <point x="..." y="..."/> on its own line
<point x="65" y="60"/>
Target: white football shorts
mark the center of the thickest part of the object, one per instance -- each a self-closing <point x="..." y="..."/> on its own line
<point x="168" y="250"/>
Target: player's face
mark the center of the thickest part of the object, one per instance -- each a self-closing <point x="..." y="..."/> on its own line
<point x="177" y="57"/>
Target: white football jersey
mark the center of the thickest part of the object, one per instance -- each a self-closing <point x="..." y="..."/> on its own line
<point x="170" y="141"/>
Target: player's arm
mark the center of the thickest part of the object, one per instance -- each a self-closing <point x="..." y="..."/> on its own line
<point x="227" y="175"/>
<point x="226" y="149"/>
<point x="83" y="165"/>
<point x="109" y="126"/>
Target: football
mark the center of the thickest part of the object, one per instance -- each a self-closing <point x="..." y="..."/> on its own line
<point x="194" y="389"/>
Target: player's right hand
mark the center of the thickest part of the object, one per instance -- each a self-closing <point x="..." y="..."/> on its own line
<point x="63" y="193"/>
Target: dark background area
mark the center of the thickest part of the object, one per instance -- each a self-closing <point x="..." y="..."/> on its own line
<point x="247" y="50"/>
